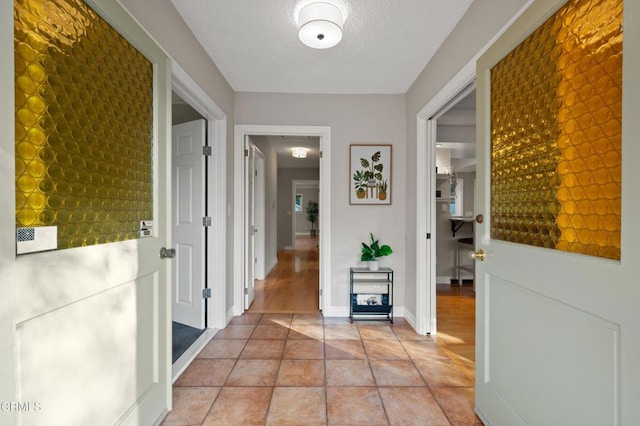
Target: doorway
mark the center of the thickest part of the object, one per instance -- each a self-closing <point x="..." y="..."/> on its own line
<point x="278" y="189"/>
<point x="323" y="135"/>
<point x="192" y="103"/>
<point x="189" y="175"/>
<point x="453" y="237"/>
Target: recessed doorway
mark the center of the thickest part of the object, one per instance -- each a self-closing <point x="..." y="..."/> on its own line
<point x="284" y="228"/>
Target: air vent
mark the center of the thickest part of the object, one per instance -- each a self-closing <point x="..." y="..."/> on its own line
<point x="40" y="238"/>
<point x="25" y="234"/>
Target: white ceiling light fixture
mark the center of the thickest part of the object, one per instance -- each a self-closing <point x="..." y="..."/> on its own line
<point x="299" y="152"/>
<point x="320" y="25"/>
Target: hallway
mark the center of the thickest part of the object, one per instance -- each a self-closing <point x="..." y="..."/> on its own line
<point x="292" y="285"/>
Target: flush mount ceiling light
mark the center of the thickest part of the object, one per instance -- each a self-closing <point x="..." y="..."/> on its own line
<point x="299" y="153"/>
<point x="320" y="25"/>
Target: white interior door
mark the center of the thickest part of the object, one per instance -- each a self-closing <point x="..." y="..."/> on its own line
<point x="92" y="326"/>
<point x="260" y="212"/>
<point x="558" y="332"/>
<point x="188" y="230"/>
<point x="250" y="224"/>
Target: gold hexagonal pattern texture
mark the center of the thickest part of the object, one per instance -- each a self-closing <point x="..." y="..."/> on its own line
<point x="83" y="113"/>
<point x="556" y="133"/>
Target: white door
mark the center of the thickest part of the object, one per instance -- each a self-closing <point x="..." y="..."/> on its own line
<point x="259" y="212"/>
<point x="557" y="333"/>
<point x="92" y="326"/>
<point x="188" y="140"/>
<point x="250" y="224"/>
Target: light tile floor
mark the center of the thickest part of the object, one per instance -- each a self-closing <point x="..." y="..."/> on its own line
<point x="301" y="369"/>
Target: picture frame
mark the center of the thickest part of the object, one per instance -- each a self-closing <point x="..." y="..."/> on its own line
<point x="370" y="174"/>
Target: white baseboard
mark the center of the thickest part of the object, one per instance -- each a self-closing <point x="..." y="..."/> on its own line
<point x="289" y="248"/>
<point x="443" y="279"/>
<point x="271" y="265"/>
<point x="230" y="316"/>
<point x="336" y="311"/>
<point x="410" y="318"/>
<point x="191" y="353"/>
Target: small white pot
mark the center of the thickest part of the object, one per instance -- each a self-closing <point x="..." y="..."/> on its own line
<point x="373" y="265"/>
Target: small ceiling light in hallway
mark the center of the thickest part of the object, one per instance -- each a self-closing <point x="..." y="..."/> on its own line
<point x="320" y="25"/>
<point x="299" y="152"/>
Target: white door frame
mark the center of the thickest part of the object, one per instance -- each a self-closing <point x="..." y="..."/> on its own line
<point x="425" y="209"/>
<point x="324" y="133"/>
<point x="185" y="87"/>
<point x="260" y="212"/>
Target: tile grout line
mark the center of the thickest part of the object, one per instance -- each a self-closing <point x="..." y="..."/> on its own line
<point x="424" y="380"/>
<point x="227" y="378"/>
<point x="375" y="381"/>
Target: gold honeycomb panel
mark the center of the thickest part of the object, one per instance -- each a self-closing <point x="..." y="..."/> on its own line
<point x="556" y="133"/>
<point x="84" y="110"/>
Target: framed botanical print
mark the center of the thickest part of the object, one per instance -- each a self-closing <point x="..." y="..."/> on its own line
<point x="370" y="174"/>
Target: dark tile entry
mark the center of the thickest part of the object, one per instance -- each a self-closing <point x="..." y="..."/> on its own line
<point x="183" y="337"/>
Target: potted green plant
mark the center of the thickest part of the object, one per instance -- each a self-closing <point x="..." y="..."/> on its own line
<point x="371" y="252"/>
<point x="360" y="184"/>
<point x="382" y="190"/>
<point x="312" y="215"/>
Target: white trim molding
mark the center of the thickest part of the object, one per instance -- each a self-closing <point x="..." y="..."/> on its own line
<point x="191" y="93"/>
<point x="240" y="132"/>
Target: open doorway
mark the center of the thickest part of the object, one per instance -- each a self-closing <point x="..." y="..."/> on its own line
<point x="284" y="273"/>
<point x="198" y="213"/>
<point x="455" y="162"/>
<point x="189" y="175"/>
<point x="276" y="143"/>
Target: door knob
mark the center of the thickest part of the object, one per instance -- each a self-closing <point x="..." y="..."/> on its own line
<point x="166" y="253"/>
<point x="477" y="255"/>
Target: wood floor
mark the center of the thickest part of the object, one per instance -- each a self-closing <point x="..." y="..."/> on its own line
<point x="455" y="312"/>
<point x="292" y="287"/>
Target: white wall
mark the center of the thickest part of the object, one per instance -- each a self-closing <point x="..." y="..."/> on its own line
<point x="270" y="200"/>
<point x="353" y="119"/>
<point x="481" y="22"/>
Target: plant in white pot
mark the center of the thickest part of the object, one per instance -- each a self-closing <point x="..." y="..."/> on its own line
<point x="371" y="252"/>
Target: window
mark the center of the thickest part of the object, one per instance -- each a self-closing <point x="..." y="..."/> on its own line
<point x="298" y="206"/>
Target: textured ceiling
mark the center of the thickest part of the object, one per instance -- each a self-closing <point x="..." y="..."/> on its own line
<point x="385" y="46"/>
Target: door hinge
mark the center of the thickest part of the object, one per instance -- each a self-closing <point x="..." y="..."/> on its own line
<point x="206" y="221"/>
<point x="255" y="260"/>
<point x="206" y="150"/>
<point x="206" y="293"/>
<point x="320" y="292"/>
<point x="246" y="152"/>
<point x="428" y="235"/>
<point x="320" y="154"/>
<point x="246" y="291"/>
